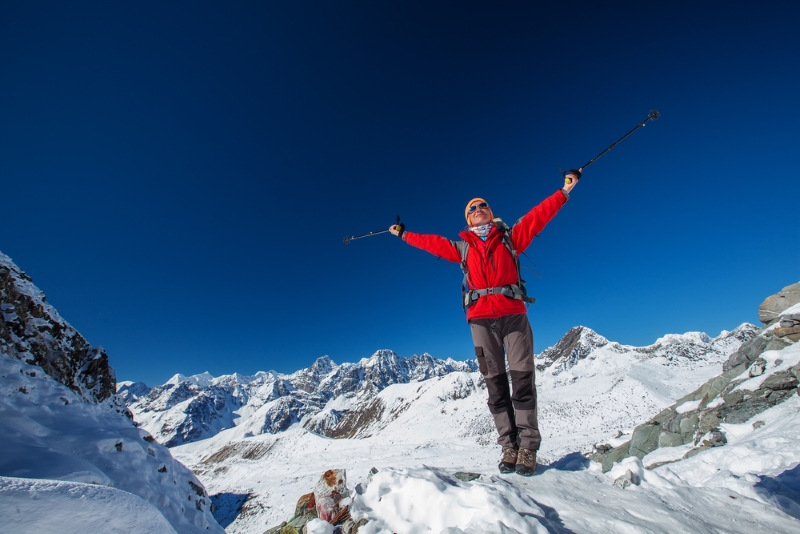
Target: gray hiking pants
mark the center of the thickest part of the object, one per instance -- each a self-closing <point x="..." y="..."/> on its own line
<point x="513" y="410"/>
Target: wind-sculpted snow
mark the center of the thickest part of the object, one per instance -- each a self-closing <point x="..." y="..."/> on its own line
<point x="32" y="331"/>
<point x="50" y="433"/>
<point x="187" y="409"/>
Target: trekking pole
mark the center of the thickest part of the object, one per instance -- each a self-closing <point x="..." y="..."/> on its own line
<point x="347" y="239"/>
<point x="653" y="115"/>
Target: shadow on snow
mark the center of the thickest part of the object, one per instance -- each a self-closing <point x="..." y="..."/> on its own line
<point x="782" y="490"/>
<point x="228" y="506"/>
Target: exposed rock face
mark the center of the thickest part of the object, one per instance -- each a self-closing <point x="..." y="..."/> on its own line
<point x="576" y="345"/>
<point x="32" y="331"/>
<point x="773" y="306"/>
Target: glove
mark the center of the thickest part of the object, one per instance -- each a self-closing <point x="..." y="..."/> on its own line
<point x="398" y="230"/>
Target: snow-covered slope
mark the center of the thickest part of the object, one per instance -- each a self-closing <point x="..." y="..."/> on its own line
<point x="67" y="442"/>
<point x="51" y="433"/>
<point x="443" y="421"/>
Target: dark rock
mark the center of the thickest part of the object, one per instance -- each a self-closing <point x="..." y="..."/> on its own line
<point x="779" y="381"/>
<point x="795" y="371"/>
<point x="716" y="439"/>
<point x="734" y="397"/>
<point x="745" y="410"/>
<point x="118" y="446"/>
<point x="162" y="469"/>
<point x="748" y="352"/>
<point x="466" y="477"/>
<point x="773" y="306"/>
<point x="32" y="331"/>
<point x="758" y="424"/>
<point x="199" y="490"/>
<point x="777" y="397"/>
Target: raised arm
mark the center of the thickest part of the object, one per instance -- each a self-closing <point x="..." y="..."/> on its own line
<point x="435" y="244"/>
<point x="534" y="221"/>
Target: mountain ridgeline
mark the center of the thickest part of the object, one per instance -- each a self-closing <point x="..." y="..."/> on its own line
<point x="339" y="401"/>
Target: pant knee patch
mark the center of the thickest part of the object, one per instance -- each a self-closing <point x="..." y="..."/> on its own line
<point x="499" y="397"/>
<point x="524" y="397"/>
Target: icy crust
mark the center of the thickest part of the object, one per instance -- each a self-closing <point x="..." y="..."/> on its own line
<point x="31" y="330"/>
<point x="55" y="506"/>
<point x="49" y="432"/>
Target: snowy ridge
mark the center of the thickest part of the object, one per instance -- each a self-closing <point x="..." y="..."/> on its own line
<point x="187" y="409"/>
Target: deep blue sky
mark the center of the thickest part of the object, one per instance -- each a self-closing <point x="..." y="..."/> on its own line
<point x="178" y="178"/>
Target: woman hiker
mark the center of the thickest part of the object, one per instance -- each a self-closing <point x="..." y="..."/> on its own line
<point x="497" y="315"/>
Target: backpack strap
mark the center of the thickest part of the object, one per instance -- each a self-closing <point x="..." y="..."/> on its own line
<point x="513" y="291"/>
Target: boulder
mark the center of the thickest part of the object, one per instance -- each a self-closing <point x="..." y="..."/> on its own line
<point x="748" y="352"/>
<point x="644" y="440"/>
<point x="742" y="412"/>
<point x="780" y="381"/>
<point x="609" y="458"/>
<point x="709" y="420"/>
<point x="715" y="439"/>
<point x="758" y="367"/>
<point x="773" y="306"/>
<point x="629" y="478"/>
<point x="670" y="439"/>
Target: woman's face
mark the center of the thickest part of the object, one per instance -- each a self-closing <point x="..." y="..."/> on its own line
<point x="480" y="216"/>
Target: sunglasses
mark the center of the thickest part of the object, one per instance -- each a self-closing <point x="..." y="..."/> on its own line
<point x="482" y="205"/>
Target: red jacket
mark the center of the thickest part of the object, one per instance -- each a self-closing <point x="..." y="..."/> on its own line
<point x="490" y="263"/>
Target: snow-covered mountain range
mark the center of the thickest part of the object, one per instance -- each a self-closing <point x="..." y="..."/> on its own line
<point x="187" y="409"/>
<point x="340" y="401"/>
<point x="72" y="459"/>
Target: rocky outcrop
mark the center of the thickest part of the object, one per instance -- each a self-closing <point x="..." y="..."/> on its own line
<point x="773" y="306"/>
<point x="32" y="331"/>
<point x="695" y="418"/>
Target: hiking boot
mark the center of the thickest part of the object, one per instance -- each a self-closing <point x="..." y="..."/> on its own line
<point x="509" y="460"/>
<point x="526" y="462"/>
